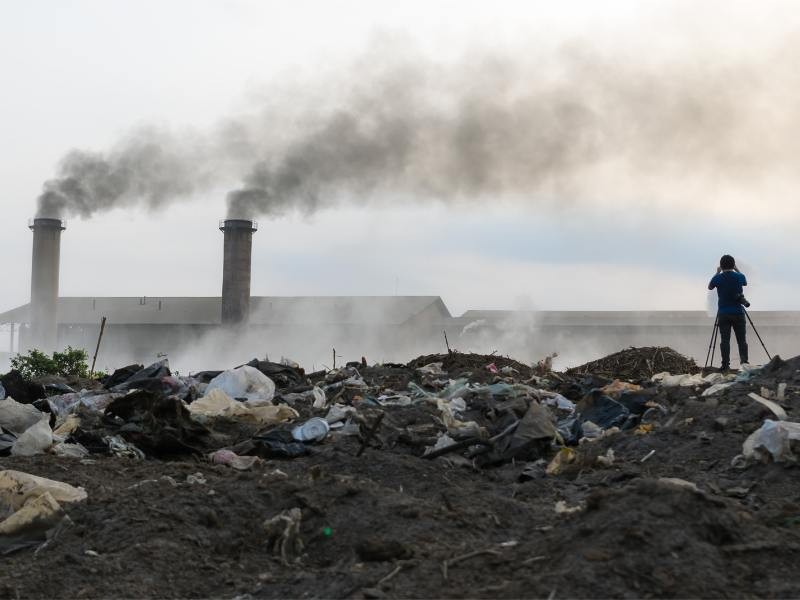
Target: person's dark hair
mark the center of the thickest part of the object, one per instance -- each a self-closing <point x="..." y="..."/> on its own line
<point x="727" y="262"/>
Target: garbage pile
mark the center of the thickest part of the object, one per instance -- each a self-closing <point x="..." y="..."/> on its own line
<point x="446" y="439"/>
<point x="483" y="410"/>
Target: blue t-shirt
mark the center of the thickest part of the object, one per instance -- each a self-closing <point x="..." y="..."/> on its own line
<point x="729" y="288"/>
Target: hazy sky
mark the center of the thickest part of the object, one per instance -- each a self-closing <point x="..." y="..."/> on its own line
<point x="82" y="74"/>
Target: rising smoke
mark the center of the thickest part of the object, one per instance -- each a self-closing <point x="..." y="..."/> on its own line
<point x="573" y="125"/>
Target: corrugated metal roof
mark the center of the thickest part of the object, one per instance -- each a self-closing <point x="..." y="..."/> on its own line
<point x="284" y="310"/>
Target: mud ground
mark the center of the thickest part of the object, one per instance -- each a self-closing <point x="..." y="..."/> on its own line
<point x="391" y="524"/>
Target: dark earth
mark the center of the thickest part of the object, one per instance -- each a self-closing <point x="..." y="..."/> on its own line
<point x="391" y="524"/>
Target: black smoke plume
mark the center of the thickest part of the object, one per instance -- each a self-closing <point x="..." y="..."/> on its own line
<point x="570" y="126"/>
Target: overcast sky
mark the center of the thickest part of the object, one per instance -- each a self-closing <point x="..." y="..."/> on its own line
<point x="82" y="74"/>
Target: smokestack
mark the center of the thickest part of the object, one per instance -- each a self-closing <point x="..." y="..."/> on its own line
<point x="44" y="282"/>
<point x="236" y="270"/>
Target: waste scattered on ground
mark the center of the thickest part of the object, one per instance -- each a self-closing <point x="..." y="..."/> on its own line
<point x="452" y="475"/>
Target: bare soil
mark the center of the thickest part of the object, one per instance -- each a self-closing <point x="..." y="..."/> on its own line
<point x="389" y="523"/>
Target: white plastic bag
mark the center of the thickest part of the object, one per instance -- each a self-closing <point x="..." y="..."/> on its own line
<point x="773" y="439"/>
<point x="35" y="440"/>
<point x="244" y="382"/>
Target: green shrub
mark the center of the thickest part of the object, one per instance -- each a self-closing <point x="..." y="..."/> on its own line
<point x="72" y="362"/>
<point x="69" y="363"/>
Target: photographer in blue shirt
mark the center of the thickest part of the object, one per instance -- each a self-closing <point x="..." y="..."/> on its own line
<point x="730" y="315"/>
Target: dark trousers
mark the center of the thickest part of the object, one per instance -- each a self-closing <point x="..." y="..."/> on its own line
<point x="738" y="323"/>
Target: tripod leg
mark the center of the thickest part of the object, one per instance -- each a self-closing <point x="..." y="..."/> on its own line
<point x="757" y="335"/>
<point x="714" y="343"/>
<point x="711" y="344"/>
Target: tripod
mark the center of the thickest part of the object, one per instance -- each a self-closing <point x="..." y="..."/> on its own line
<point x="712" y="345"/>
<point x="747" y="314"/>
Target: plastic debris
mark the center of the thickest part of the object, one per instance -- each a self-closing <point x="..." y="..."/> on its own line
<point x="69" y="450"/>
<point x="244" y="382"/>
<point x="218" y="404"/>
<point x="233" y="460"/>
<point x="196" y="479"/>
<point x="617" y="387"/>
<point x="68" y="403"/>
<point x="34" y="504"/>
<point x="119" y="447"/>
<point x="283" y="535"/>
<point x="16" y="417"/>
<point x="564" y="457"/>
<point x="603" y="410"/>
<point x="717" y="387"/>
<point x="313" y="430"/>
<point x="561" y="508"/>
<point x="776" y="408"/>
<point x="432" y="369"/>
<point x="607" y="459"/>
<point x="772" y="440"/>
<point x="34" y="440"/>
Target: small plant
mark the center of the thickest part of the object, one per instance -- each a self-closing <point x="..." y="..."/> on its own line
<point x="69" y="363"/>
<point x="72" y="362"/>
<point x="33" y="364"/>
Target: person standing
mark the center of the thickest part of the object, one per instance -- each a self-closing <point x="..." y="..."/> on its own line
<point x="730" y="313"/>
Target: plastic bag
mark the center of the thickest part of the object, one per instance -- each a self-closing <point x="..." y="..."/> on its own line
<point x="17" y="488"/>
<point x="432" y="369"/>
<point x="244" y="382"/>
<point x="34" y="440"/>
<point x="233" y="460"/>
<point x="69" y="450"/>
<point x="34" y="502"/>
<point x="68" y="403"/>
<point x="603" y="411"/>
<point x="218" y="404"/>
<point x="16" y="417"/>
<point x="773" y="439"/>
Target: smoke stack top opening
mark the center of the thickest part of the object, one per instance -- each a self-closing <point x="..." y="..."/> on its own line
<point x="230" y="224"/>
<point x="42" y="222"/>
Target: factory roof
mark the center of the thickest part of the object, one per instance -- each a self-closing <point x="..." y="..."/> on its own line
<point x="387" y="310"/>
<point x="266" y="310"/>
<point x="616" y="318"/>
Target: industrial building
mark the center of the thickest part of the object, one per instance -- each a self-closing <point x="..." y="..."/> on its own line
<point x="310" y="328"/>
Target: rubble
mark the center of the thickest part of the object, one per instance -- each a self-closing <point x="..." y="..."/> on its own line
<point x="368" y="480"/>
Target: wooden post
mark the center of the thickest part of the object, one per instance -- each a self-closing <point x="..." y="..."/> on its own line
<point x="334" y="359"/>
<point x="97" y="349"/>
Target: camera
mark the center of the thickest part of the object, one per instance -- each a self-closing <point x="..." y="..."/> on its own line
<point x="743" y="301"/>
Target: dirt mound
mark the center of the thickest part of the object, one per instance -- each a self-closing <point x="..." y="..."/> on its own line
<point x="781" y="370"/>
<point x="637" y="363"/>
<point x="459" y="364"/>
<point x="366" y="513"/>
<point x="655" y="534"/>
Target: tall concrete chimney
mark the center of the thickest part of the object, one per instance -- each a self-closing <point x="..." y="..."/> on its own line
<point x="236" y="270"/>
<point x="44" y="283"/>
